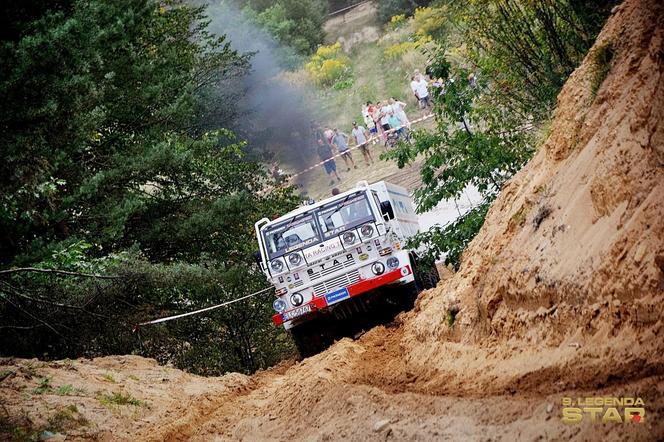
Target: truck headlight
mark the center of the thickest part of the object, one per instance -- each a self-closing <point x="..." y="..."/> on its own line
<point x="295" y="259"/>
<point x="348" y="238"/>
<point x="377" y="268"/>
<point x="393" y="262"/>
<point x="279" y="305"/>
<point x="296" y="299"/>
<point x="277" y="265"/>
<point x="366" y="230"/>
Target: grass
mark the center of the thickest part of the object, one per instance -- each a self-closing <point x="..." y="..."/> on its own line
<point x="109" y="377"/>
<point x="519" y="218"/>
<point x="22" y="428"/>
<point x="66" y="418"/>
<point x="373" y="79"/>
<point x="5" y="374"/>
<point x="451" y="316"/>
<point x="44" y="386"/>
<point x="601" y="58"/>
<point x="110" y="400"/>
<point x="69" y="390"/>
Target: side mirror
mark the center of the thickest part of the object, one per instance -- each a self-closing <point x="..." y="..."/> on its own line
<point x="387" y="210"/>
<point x="257" y="257"/>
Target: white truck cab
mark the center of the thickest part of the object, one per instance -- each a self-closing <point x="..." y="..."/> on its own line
<point x="320" y="256"/>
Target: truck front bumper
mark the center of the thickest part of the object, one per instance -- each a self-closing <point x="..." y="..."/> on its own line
<point x="322" y="302"/>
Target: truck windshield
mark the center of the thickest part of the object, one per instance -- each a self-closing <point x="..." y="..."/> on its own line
<point x="344" y="214"/>
<point x="299" y="231"/>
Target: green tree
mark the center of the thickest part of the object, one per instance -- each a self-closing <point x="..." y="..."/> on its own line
<point x="297" y="24"/>
<point x="110" y="169"/>
<point x="528" y="49"/>
<point x="520" y="54"/>
<point x="475" y="143"/>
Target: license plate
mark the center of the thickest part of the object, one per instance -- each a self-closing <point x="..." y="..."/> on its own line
<point x="337" y="295"/>
<point x="299" y="311"/>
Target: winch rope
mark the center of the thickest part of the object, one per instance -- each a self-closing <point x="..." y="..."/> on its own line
<point x="203" y="310"/>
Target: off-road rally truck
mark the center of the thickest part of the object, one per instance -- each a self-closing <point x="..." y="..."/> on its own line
<point x="335" y="261"/>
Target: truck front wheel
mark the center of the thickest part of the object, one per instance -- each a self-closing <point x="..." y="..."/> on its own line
<point x="311" y="337"/>
<point x="426" y="275"/>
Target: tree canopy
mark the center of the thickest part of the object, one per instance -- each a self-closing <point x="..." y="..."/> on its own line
<point x="109" y="168"/>
<point x="297" y="24"/>
<point x="498" y="67"/>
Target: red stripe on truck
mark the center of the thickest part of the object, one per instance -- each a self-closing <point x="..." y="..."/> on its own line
<point x="319" y="303"/>
<point x="373" y="283"/>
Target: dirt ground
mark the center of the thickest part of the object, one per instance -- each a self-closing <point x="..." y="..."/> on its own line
<point x="561" y="295"/>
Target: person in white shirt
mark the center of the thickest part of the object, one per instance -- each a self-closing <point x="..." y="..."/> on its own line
<point x="385" y="115"/>
<point x="368" y="121"/>
<point x="420" y="88"/>
<point x="362" y="140"/>
<point x="397" y="108"/>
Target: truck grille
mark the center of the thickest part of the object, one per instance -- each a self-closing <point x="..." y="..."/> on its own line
<point x="338" y="282"/>
<point x="331" y="269"/>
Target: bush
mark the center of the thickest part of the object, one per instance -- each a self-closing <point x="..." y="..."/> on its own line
<point x="397" y="50"/>
<point x="397" y="21"/>
<point x="386" y="9"/>
<point x="429" y="23"/>
<point x="328" y="65"/>
<point x="601" y="65"/>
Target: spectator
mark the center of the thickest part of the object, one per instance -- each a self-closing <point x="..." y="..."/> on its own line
<point x="472" y="81"/>
<point x="329" y="134"/>
<point x="366" y="116"/>
<point x="376" y="116"/>
<point x="361" y="139"/>
<point x="412" y="79"/>
<point x="325" y="154"/>
<point x="316" y="132"/>
<point x="336" y="191"/>
<point x="397" y="108"/>
<point x="340" y="141"/>
<point x="369" y="120"/>
<point x="419" y="86"/>
<point x="385" y="117"/>
<point x="277" y="173"/>
<point x="396" y="124"/>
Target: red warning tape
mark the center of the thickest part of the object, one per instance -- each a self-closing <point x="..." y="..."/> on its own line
<point x="375" y="137"/>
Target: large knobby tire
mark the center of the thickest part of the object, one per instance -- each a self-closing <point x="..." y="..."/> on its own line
<point x="426" y="275"/>
<point x="311" y="337"/>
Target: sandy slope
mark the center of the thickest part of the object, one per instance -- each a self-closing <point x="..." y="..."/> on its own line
<point x="561" y="294"/>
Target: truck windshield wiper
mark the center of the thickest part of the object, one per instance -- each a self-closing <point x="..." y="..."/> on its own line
<point x="341" y="206"/>
<point x="291" y="222"/>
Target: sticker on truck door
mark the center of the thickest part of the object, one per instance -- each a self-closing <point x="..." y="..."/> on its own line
<point x="337" y="295"/>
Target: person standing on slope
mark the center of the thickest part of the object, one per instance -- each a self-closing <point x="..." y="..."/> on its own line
<point x="397" y="108"/>
<point x="340" y="142"/>
<point x="326" y="155"/>
<point x="420" y="88"/>
<point x="362" y="140"/>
